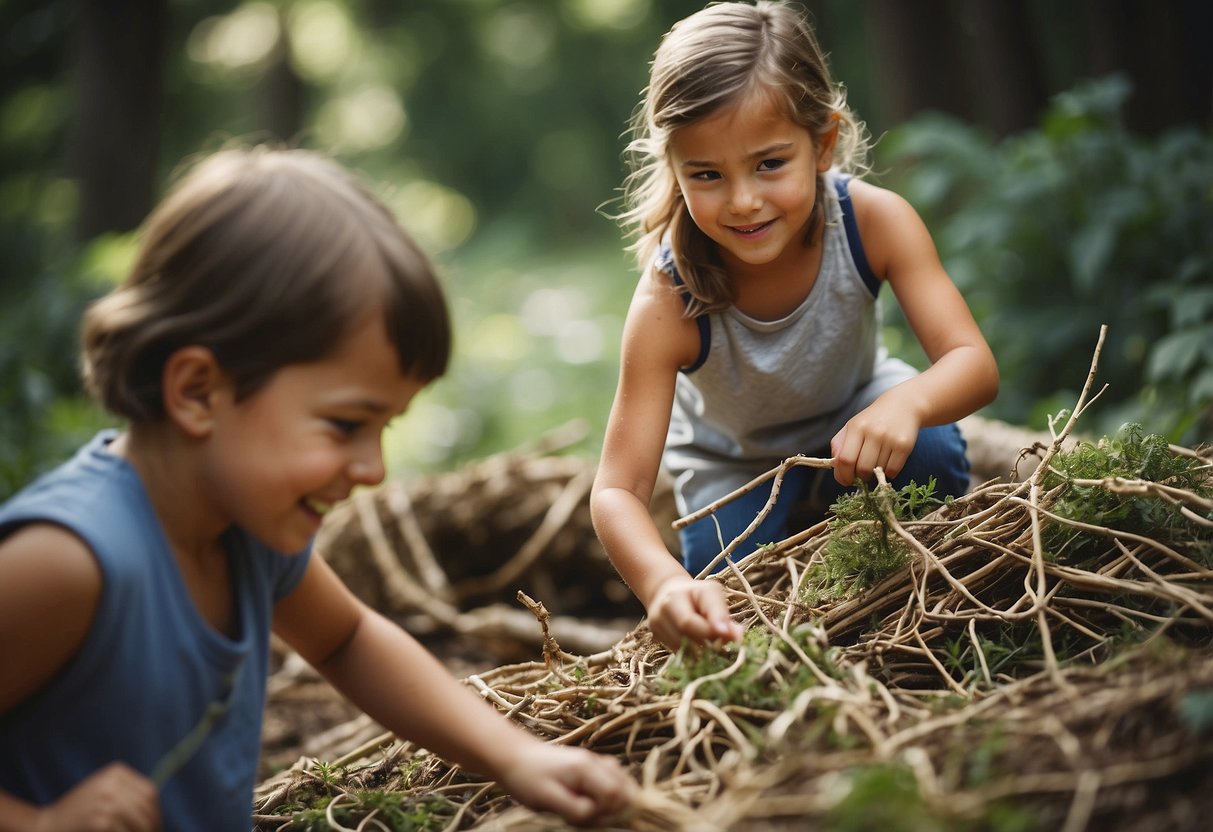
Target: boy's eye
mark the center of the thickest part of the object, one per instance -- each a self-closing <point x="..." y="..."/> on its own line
<point x="346" y="426"/>
<point x="771" y="164"/>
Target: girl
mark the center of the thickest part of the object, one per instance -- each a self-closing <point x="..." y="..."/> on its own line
<point x="277" y="318"/>
<point x="754" y="333"/>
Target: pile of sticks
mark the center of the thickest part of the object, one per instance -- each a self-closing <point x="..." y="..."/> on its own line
<point x="984" y="683"/>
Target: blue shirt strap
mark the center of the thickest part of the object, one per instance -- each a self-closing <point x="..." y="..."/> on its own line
<point x="853" y="241"/>
<point x="665" y="263"/>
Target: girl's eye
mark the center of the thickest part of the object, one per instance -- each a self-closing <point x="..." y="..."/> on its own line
<point x="771" y="164"/>
<point x="706" y="176"/>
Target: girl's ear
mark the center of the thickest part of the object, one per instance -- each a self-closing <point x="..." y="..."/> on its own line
<point x="825" y="147"/>
<point x="190" y="385"/>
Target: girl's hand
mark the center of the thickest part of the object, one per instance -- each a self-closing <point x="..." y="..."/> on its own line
<point x="115" y="797"/>
<point x="686" y="608"/>
<point x="881" y="435"/>
<point x="582" y="787"/>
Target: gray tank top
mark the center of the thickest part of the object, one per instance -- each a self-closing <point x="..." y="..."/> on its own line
<point x="766" y="390"/>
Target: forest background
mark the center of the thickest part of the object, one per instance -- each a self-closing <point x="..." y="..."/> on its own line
<point x="1061" y="152"/>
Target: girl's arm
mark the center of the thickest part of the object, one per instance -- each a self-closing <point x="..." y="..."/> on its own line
<point x="50" y="585"/>
<point x="390" y="676"/>
<point x="657" y="341"/>
<point x="963" y="375"/>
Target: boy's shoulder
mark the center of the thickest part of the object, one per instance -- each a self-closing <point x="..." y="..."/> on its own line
<point x="90" y="492"/>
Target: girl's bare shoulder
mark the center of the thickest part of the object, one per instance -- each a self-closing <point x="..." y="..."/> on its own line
<point x="657" y="324"/>
<point x="875" y="205"/>
<point x="888" y="225"/>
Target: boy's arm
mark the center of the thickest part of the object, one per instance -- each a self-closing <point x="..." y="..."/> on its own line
<point x="50" y="585"/>
<point x="657" y="341"/>
<point x="389" y="675"/>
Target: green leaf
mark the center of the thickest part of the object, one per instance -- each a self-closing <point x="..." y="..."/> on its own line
<point x="1175" y="354"/>
<point x="1201" y="389"/>
<point x="1090" y="252"/>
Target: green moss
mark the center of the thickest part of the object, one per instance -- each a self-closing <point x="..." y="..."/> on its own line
<point x="398" y="812"/>
<point x="768" y="679"/>
<point x="862" y="549"/>
<point x="1131" y="454"/>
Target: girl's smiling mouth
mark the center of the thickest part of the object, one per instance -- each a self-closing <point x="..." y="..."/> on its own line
<point x="751" y="230"/>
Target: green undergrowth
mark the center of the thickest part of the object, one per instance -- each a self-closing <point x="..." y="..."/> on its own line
<point x="768" y="679"/>
<point x="886" y="796"/>
<point x="1132" y="455"/>
<point x="862" y="550"/>
<point x="311" y="806"/>
<point x="393" y="810"/>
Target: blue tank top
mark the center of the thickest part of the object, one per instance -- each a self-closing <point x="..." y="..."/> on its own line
<point x="153" y="685"/>
<point x="762" y="391"/>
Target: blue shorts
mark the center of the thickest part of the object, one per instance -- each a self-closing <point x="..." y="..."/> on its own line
<point x="940" y="452"/>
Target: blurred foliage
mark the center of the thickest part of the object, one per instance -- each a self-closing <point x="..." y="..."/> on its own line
<point x="1060" y="229"/>
<point x="494" y="129"/>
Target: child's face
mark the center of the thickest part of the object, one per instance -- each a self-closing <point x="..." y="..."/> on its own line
<point x="277" y="461"/>
<point x="748" y="175"/>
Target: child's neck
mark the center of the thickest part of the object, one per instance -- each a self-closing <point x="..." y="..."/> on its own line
<point x="165" y="464"/>
<point x="770" y="291"/>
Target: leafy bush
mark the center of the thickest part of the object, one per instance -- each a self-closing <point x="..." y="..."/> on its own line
<point x="1057" y="230"/>
<point x="47" y="415"/>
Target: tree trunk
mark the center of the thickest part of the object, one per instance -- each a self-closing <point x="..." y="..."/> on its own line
<point x="115" y="129"/>
<point x="281" y="92"/>
<point x="1007" y="60"/>
<point x="917" y="46"/>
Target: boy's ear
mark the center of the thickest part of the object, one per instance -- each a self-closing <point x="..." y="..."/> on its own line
<point x="191" y="382"/>
<point x="825" y="148"/>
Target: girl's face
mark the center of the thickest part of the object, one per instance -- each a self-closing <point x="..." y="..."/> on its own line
<point x="748" y="175"/>
<point x="278" y="460"/>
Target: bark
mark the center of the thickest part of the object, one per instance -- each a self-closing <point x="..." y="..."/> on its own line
<point x="115" y="130"/>
<point x="917" y="47"/>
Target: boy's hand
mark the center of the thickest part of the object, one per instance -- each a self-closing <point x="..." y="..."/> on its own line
<point x="686" y="608"/>
<point x="115" y="797"/>
<point x="582" y="787"/>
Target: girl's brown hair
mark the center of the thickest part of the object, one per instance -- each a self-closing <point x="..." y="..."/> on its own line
<point x="267" y="257"/>
<point x="706" y="62"/>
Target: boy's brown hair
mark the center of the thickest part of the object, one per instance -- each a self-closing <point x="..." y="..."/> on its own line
<point x="266" y="257"/>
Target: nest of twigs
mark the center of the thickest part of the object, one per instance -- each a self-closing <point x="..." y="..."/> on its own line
<point x="1035" y="655"/>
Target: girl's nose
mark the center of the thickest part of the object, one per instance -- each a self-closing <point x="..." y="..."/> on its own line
<point x="744" y="198"/>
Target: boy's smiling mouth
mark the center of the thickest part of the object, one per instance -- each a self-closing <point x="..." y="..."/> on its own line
<point x="317" y="507"/>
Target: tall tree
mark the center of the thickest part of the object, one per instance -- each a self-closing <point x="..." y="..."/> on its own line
<point x="114" y="136"/>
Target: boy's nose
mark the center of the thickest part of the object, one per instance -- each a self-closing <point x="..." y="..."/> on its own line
<point x="367" y="468"/>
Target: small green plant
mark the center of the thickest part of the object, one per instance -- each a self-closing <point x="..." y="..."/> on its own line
<point x="1133" y="455"/>
<point x="862" y="549"/>
<point x="886" y="797"/>
<point x="392" y="810"/>
<point x="769" y="678"/>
